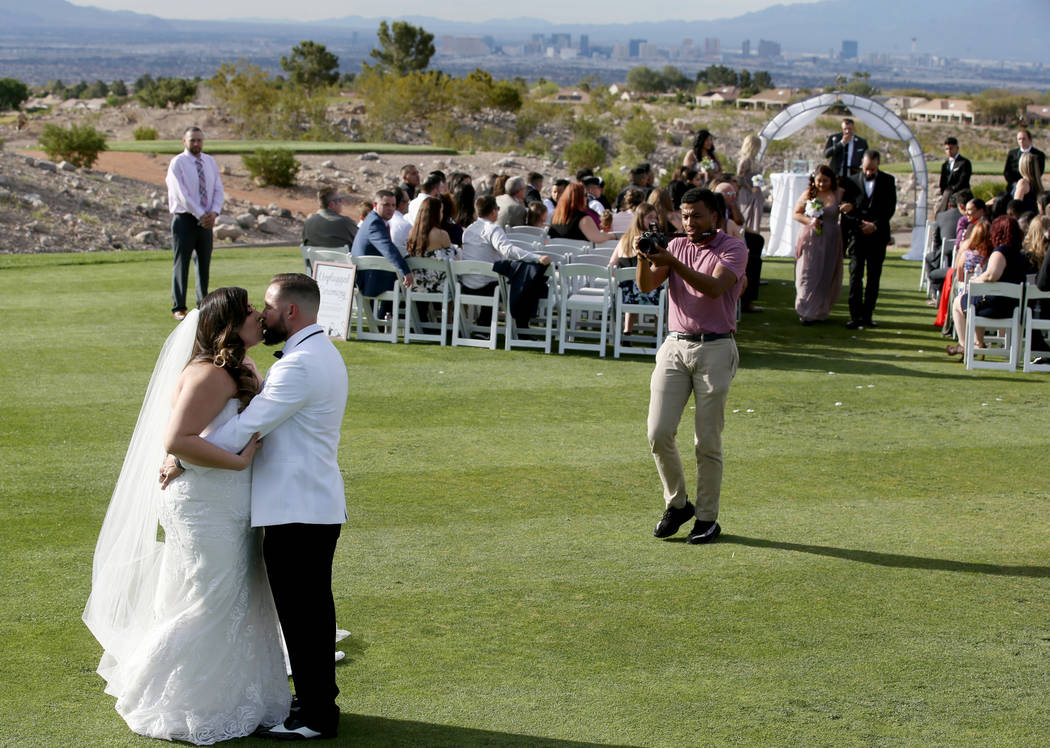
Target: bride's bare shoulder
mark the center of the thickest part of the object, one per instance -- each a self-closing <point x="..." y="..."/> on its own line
<point x="205" y="377"/>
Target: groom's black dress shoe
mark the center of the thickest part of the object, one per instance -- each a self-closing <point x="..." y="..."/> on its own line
<point x="292" y="729"/>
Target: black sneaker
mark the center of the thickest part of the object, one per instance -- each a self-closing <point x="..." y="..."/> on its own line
<point x="674" y="517"/>
<point x="703" y="532"/>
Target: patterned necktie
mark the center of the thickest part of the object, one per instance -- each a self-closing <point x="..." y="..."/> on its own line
<point x="202" y="186"/>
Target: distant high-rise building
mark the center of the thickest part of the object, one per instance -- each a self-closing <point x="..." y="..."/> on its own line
<point x="767" y="49"/>
<point x="849" y="50"/>
<point x="585" y="45"/>
<point x="561" y="41"/>
<point x="745" y="48"/>
<point x="712" y="47"/>
<point x="634" y="45"/>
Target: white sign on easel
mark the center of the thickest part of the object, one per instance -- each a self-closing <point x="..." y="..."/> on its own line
<point x="336" y="281"/>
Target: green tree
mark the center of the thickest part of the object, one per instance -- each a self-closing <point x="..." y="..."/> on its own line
<point x="675" y="79"/>
<point x="404" y="48"/>
<point x="762" y="80"/>
<point x="584" y="153"/>
<point x="644" y="79"/>
<point x="718" y="75"/>
<point x="96" y="90"/>
<point x="311" y="66"/>
<point x="640" y="133"/>
<point x="12" y="93"/>
<point x="79" y="145"/>
<point x="118" y="88"/>
<point x="164" y="92"/>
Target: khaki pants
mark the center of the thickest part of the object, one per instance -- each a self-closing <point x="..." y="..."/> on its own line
<point x="706" y="370"/>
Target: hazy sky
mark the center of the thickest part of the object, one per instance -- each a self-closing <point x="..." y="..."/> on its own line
<point x="556" y="11"/>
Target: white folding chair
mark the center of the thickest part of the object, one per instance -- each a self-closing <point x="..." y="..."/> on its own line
<point x="531" y="337"/>
<point x="527" y="243"/>
<point x="534" y="233"/>
<point x="1034" y="326"/>
<point x="927" y="241"/>
<point x="415" y="328"/>
<point x="657" y="312"/>
<point x="1007" y="341"/>
<point x="384" y="330"/>
<point x="573" y="328"/>
<point x="568" y="245"/>
<point x="323" y="254"/>
<point x="462" y="324"/>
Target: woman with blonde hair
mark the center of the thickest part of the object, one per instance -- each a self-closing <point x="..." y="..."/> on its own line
<point x="1030" y="184"/>
<point x="669" y="219"/>
<point x="749" y="196"/>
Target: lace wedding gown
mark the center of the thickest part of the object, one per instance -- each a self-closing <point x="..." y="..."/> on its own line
<point x="209" y="665"/>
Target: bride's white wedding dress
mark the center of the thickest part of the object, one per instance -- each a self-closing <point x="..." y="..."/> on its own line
<point x="210" y="667"/>
<point x="191" y="641"/>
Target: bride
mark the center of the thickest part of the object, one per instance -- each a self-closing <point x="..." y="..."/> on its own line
<point x="184" y="614"/>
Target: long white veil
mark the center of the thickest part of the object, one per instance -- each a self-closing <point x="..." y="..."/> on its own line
<point x="127" y="555"/>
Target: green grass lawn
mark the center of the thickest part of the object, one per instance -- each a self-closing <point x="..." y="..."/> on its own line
<point x="250" y="146"/>
<point x="882" y="577"/>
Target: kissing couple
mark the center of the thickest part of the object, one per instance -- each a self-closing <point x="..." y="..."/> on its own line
<point x="251" y="502"/>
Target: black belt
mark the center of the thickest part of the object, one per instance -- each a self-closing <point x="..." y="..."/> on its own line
<point x="701" y="337"/>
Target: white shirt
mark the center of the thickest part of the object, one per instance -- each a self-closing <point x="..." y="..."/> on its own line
<point x="485" y="241"/>
<point x="869" y="186"/>
<point x="551" y="207"/>
<point x="595" y="204"/>
<point x="400" y="228"/>
<point x="184" y="185"/>
<point x="413" y="207"/>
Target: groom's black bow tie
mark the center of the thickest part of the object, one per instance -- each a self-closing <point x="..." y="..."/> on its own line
<point x="278" y="354"/>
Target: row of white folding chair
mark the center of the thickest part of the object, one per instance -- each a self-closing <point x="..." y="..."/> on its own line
<point x="536" y="233"/>
<point x="927" y="241"/>
<point x="323" y="254"/>
<point x="1008" y="336"/>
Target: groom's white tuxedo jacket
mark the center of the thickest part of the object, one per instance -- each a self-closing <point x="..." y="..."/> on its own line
<point x="295" y="476"/>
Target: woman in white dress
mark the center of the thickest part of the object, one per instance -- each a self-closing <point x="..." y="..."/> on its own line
<point x="191" y="638"/>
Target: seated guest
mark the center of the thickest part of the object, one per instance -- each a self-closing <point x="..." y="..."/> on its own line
<point x="512" y="211"/>
<point x="457" y="178"/>
<point x="428" y="239"/>
<point x="537" y="214"/>
<point x="485" y="241"/>
<point x="534" y="190"/>
<point x="667" y="217"/>
<point x="373" y="238"/>
<point x="463" y="199"/>
<point x="639" y="181"/>
<point x="571" y="219"/>
<point x="1042" y="203"/>
<point x="552" y="202"/>
<point x="400" y="227"/>
<point x="1036" y="243"/>
<point x="626" y="256"/>
<point x="621" y="220"/>
<point x="945" y="226"/>
<point x="432" y="187"/>
<point x="409" y="180"/>
<point x="448" y="221"/>
<point x="595" y="187"/>
<point x="328" y="227"/>
<point x="361" y="211"/>
<point x="1030" y="184"/>
<point x="499" y="185"/>
<point x="1005" y="264"/>
<point x="684" y="179"/>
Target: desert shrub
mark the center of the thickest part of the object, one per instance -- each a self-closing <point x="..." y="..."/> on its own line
<point x="584" y="153"/>
<point x="144" y="132"/>
<point x="79" y="144"/>
<point x="640" y="133"/>
<point x="276" y="166"/>
<point x="987" y="190"/>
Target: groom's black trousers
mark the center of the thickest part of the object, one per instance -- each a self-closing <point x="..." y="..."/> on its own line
<point x="299" y="566"/>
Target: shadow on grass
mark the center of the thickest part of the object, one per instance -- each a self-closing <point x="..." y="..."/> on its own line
<point x="892" y="559"/>
<point x="365" y="730"/>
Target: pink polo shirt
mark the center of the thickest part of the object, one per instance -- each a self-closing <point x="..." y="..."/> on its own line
<point x="689" y="310"/>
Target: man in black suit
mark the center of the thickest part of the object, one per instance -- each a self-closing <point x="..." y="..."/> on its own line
<point x="1011" y="172"/>
<point x="955" y="174"/>
<point x="866" y="226"/>
<point x="845" y="151"/>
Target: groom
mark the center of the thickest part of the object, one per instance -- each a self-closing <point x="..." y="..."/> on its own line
<point x="297" y="492"/>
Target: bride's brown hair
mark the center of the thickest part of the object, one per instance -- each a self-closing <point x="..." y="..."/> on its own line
<point x="222" y="312"/>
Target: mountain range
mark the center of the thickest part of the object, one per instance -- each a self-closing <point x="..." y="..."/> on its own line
<point x="1014" y="30"/>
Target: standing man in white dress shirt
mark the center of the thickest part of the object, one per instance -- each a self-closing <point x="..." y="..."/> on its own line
<point x="195" y="199"/>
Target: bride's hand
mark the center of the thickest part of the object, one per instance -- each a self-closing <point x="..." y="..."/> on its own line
<point x="169" y="471"/>
<point x="248" y="453"/>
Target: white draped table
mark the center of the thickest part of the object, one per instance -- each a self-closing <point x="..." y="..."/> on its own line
<point x="783" y="229"/>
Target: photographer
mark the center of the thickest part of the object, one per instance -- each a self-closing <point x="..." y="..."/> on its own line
<point x="704" y="271"/>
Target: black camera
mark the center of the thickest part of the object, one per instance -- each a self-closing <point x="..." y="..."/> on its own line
<point x="649" y="239"/>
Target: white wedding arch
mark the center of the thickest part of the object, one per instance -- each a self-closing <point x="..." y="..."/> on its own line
<point x="795" y="116"/>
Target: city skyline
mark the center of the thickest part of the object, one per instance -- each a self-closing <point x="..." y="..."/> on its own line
<point x="553" y="11"/>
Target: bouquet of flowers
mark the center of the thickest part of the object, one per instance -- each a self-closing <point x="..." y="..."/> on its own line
<point x="758" y="180"/>
<point x="707" y="165"/>
<point x="815" y="209"/>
